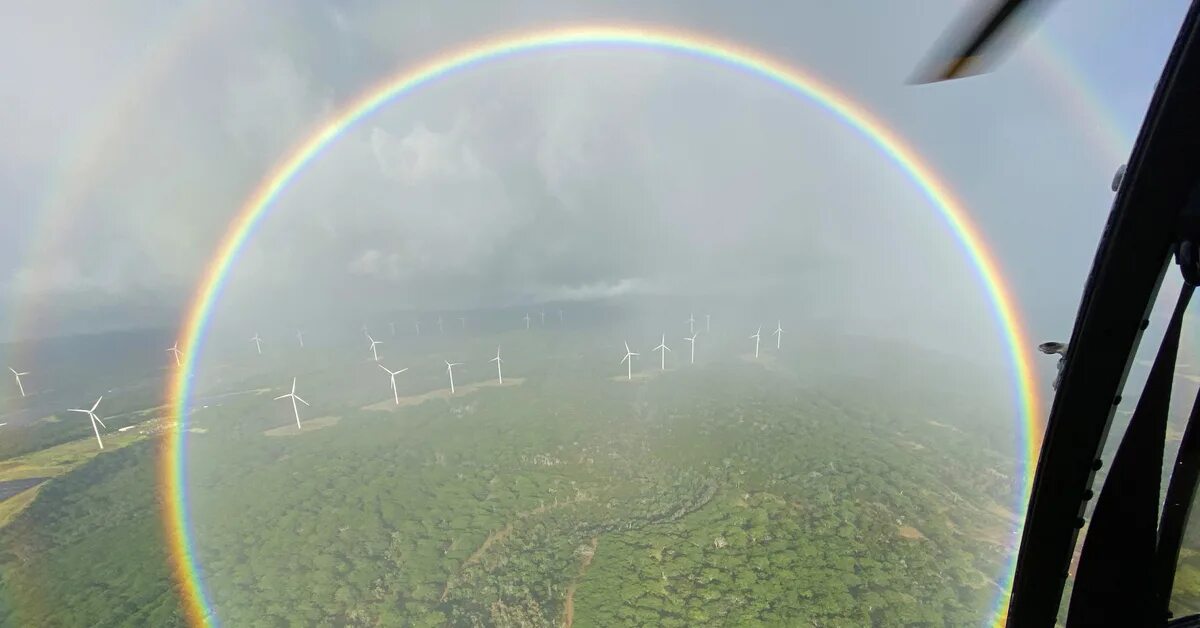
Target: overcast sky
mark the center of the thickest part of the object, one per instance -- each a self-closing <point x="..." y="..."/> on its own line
<point x="135" y="129"/>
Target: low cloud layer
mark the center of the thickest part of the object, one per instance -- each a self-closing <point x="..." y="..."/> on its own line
<point x="568" y="175"/>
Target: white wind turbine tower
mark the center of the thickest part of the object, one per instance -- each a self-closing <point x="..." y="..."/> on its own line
<point x="629" y="355"/>
<point x="295" y="398"/>
<point x="756" y="336"/>
<point x="543" y="317"/>
<point x="300" y="338"/>
<point x="374" y="342"/>
<point x="450" y="369"/>
<point x="418" y="324"/>
<point x="392" y="374"/>
<point x="95" y="419"/>
<point x="662" y="346"/>
<point x="560" y="317"/>
<point x="691" y="321"/>
<point x="257" y="343"/>
<point x="708" y="323"/>
<point x="526" y="321"/>
<point x="498" y="361"/>
<point x="18" y="375"/>
<point x="778" y="333"/>
<point x="693" y="341"/>
<point x="173" y="350"/>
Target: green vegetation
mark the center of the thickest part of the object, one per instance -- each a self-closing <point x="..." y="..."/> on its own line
<point x="89" y="550"/>
<point x="719" y="495"/>
<point x="53" y="462"/>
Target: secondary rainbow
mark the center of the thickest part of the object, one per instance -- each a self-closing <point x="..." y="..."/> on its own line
<point x="173" y="465"/>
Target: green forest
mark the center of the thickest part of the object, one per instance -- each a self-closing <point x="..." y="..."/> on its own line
<point x="736" y="494"/>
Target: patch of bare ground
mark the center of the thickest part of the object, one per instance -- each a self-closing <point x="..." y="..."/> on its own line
<point x="569" y="603"/>
<point x="307" y="426"/>
<point x="442" y="393"/>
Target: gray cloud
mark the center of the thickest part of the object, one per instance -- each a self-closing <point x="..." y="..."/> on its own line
<point x="566" y="175"/>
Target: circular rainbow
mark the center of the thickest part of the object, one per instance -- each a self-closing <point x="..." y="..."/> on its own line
<point x="173" y="463"/>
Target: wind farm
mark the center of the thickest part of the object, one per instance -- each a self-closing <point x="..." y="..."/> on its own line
<point x="441" y="409"/>
<point x="221" y="214"/>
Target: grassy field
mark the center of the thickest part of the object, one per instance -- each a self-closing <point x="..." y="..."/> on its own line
<point x="51" y="463"/>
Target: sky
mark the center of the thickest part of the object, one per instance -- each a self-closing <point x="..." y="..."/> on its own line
<point x="136" y="129"/>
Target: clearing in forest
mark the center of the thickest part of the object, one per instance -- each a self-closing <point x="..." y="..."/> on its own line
<point x="443" y="393"/>
<point x="308" y="426"/>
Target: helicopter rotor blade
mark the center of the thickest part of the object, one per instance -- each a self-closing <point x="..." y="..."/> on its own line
<point x="972" y="45"/>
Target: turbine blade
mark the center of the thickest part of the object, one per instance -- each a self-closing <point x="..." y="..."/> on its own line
<point x="302" y="401"/>
<point x="97" y="419"/>
<point x="76" y="410"/>
<point x="383" y="367"/>
<point x="401" y="370"/>
<point x="97" y="404"/>
<point x="276" y="399"/>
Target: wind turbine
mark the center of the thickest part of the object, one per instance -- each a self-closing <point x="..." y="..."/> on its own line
<point x="374" y="352"/>
<point x="778" y="333"/>
<point x="450" y="369"/>
<point x="629" y="355"/>
<point x="543" y="317"/>
<point x="174" y="350"/>
<point x="418" y="324"/>
<point x="693" y="341"/>
<point x="560" y="317"/>
<point x="257" y="343"/>
<point x="691" y="321"/>
<point x="708" y="323"/>
<point x="95" y="419"/>
<point x="756" y="337"/>
<point x="17" y="375"/>
<point x="662" y="346"/>
<point x="300" y="338"/>
<point x="498" y="361"/>
<point x="526" y="321"/>
<point x="295" y="398"/>
<point x="392" y="374"/>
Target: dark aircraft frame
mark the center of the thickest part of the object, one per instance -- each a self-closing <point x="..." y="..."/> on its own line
<point x="1128" y="561"/>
